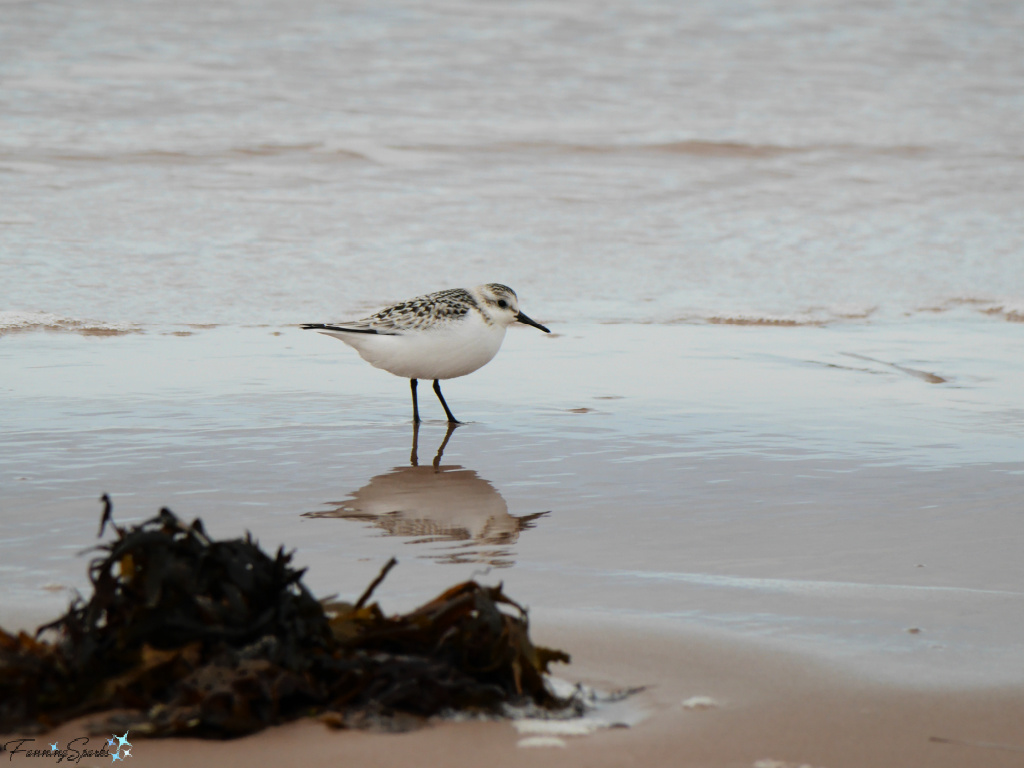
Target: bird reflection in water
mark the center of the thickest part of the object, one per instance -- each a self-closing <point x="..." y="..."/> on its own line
<point x="438" y="504"/>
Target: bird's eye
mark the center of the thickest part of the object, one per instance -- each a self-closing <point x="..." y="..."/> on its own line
<point x="502" y="303"/>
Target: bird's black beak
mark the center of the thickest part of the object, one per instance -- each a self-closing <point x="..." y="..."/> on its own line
<point x="527" y="321"/>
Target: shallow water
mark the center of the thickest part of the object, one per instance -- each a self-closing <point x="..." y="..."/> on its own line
<point x="766" y="481"/>
<point x="780" y="246"/>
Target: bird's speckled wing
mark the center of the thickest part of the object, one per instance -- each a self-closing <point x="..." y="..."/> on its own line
<point x="413" y="314"/>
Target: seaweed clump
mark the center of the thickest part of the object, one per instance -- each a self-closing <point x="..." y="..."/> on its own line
<point x="187" y="635"/>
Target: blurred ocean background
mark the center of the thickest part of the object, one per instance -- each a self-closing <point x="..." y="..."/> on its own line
<point x="273" y="162"/>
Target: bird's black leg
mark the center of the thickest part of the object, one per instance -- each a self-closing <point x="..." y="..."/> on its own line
<point x="437" y="391"/>
<point x="415" y="405"/>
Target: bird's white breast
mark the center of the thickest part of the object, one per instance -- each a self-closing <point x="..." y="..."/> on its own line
<point x="443" y="351"/>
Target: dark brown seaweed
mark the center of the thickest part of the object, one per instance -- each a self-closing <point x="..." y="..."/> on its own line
<point x="187" y="635"/>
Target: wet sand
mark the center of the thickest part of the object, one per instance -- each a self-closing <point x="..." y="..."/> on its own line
<point x="818" y="528"/>
<point x="768" y="708"/>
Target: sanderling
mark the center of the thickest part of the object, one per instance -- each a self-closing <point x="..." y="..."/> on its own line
<point x="442" y="335"/>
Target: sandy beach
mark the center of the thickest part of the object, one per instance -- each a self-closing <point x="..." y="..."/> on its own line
<point x="709" y="701"/>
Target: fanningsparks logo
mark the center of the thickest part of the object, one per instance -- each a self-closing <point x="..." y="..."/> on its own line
<point x="121" y="747"/>
<point x="116" y="748"/>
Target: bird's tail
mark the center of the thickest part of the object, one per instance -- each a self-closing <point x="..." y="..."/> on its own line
<point x="341" y="328"/>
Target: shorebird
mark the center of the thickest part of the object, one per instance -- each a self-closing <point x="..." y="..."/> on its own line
<point x="442" y="335"/>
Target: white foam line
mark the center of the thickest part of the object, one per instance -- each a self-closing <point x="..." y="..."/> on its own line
<point x="541" y="741"/>
<point x="798" y="586"/>
<point x="580" y="726"/>
<point x="11" y="320"/>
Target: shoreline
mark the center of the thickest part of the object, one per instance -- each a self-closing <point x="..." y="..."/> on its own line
<point x="771" y="709"/>
<point x="765" y="523"/>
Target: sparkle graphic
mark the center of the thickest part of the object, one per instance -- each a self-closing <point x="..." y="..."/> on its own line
<point x="53" y="747"/>
<point x="118" y="743"/>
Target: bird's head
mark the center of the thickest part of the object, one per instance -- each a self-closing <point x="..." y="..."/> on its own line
<point x="501" y="305"/>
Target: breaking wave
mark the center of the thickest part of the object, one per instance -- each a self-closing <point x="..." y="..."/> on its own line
<point x="13" y="321"/>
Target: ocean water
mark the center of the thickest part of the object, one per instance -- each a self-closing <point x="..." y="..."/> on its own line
<point x="271" y="162"/>
<point x="780" y="246"/>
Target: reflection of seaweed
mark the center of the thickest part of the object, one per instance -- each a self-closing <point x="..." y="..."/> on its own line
<point x="217" y="638"/>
